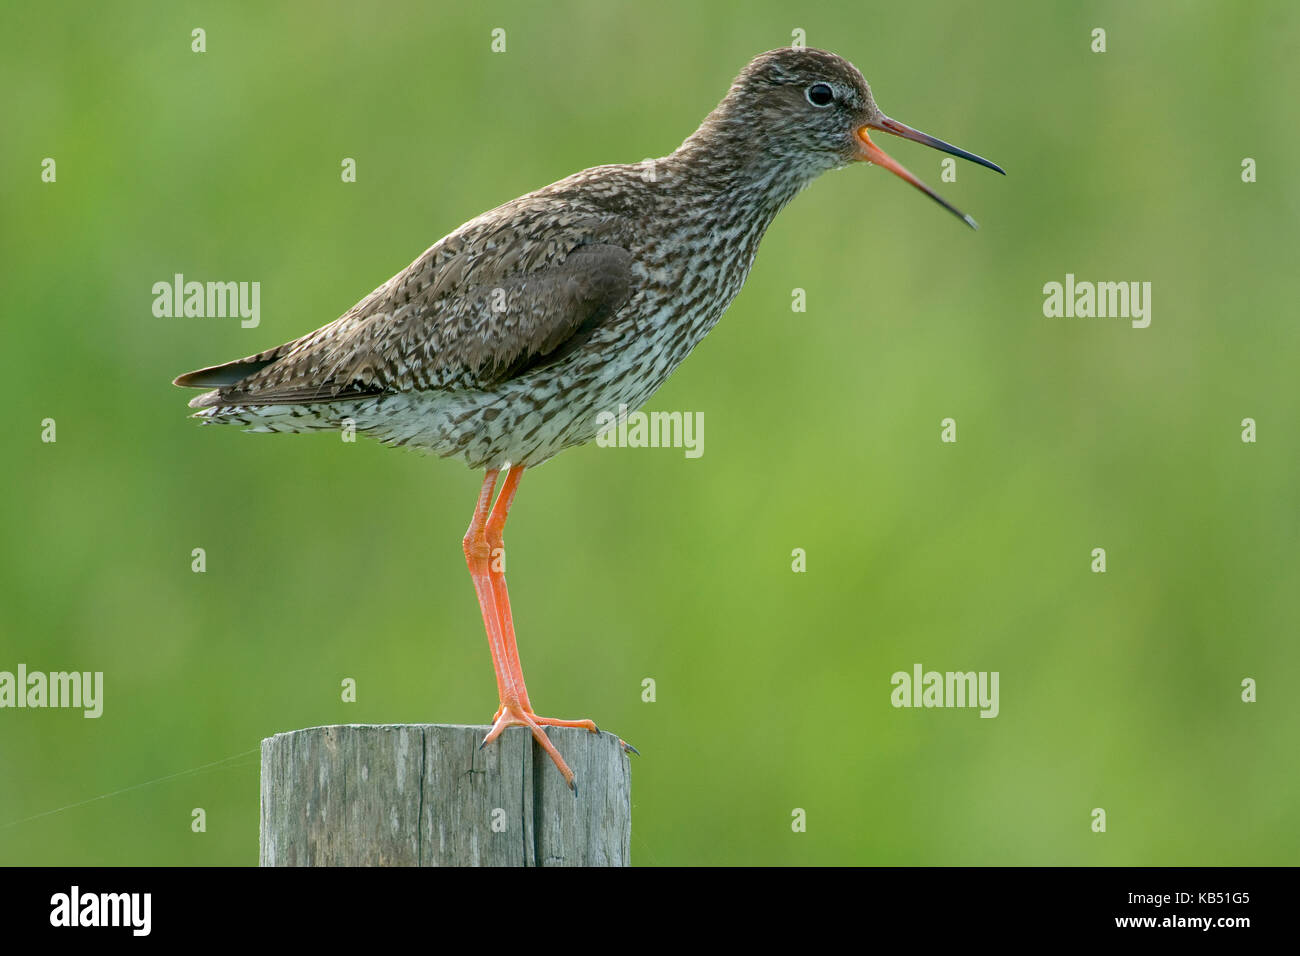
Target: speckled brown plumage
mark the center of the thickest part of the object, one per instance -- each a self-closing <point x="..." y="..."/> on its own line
<point x="503" y="341"/>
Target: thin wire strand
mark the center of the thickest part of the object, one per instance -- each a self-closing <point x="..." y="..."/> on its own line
<point x="148" y="783"/>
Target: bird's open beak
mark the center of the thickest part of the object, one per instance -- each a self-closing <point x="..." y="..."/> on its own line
<point x="872" y="153"/>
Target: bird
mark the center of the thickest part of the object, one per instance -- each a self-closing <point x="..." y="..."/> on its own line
<point x="504" y="342"/>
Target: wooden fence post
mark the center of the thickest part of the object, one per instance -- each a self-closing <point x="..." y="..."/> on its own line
<point x="425" y="795"/>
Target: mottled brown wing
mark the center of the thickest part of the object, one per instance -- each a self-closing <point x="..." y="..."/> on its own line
<point x="478" y="308"/>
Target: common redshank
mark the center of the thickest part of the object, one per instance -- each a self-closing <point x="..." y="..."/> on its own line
<point x="505" y="340"/>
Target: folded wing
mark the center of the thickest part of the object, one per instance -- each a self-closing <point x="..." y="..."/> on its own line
<point x="484" y="305"/>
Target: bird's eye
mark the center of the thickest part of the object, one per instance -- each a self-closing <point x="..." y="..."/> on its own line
<point x="820" y="94"/>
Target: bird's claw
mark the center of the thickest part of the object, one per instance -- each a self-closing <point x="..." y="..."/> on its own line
<point x="517" y="715"/>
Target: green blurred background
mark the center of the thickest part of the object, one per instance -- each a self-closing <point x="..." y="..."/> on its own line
<point x="1118" y="690"/>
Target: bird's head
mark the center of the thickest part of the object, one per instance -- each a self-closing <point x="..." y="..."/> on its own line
<point x="811" y="111"/>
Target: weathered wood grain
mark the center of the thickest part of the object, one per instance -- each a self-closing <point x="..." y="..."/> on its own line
<point x="425" y="795"/>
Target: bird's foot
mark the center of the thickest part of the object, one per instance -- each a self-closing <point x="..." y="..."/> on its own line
<point x="521" y="715"/>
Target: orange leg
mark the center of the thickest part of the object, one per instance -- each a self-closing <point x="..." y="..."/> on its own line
<point x="477" y="559"/>
<point x="494" y="535"/>
<point x="485" y="554"/>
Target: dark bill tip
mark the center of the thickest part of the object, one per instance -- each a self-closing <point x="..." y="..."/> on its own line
<point x="915" y="135"/>
<point x="873" y="154"/>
